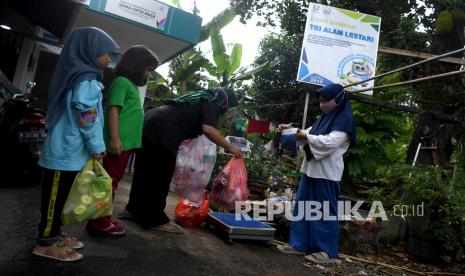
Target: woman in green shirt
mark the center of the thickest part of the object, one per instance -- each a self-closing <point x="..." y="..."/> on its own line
<point x="123" y="123"/>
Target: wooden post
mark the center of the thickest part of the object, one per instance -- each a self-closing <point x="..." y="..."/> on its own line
<point x="408" y="66"/>
<point x="458" y="72"/>
<point x="421" y="55"/>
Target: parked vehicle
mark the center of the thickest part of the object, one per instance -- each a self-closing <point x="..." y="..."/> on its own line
<point x="22" y="132"/>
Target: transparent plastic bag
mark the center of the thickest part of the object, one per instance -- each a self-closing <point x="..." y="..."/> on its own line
<point x="189" y="215"/>
<point x="90" y="196"/>
<point x="194" y="165"/>
<point x="231" y="184"/>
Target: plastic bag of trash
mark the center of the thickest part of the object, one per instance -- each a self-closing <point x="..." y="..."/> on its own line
<point x="189" y="215"/>
<point x="231" y="184"/>
<point x="288" y="141"/>
<point x="194" y="165"/>
<point x="90" y="196"/>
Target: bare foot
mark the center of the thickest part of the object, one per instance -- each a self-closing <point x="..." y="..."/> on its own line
<point x="169" y="227"/>
<point x="71" y="241"/>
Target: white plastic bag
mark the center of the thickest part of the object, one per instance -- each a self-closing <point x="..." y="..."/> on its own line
<point x="194" y="165"/>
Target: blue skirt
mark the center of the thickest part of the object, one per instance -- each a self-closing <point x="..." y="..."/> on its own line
<point x="313" y="236"/>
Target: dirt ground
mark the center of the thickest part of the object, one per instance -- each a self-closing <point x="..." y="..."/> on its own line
<point x="144" y="252"/>
<point x="141" y="252"/>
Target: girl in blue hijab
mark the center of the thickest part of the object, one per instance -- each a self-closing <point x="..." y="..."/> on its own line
<point x="75" y="132"/>
<point x="316" y="233"/>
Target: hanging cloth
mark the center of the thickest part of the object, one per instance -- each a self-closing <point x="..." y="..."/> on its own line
<point x="240" y="125"/>
<point x="256" y="126"/>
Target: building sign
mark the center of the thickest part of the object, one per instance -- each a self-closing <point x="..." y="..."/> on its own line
<point x="339" y="46"/>
<point x="148" y="12"/>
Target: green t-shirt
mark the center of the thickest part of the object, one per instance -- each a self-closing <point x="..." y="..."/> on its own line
<point x="125" y="94"/>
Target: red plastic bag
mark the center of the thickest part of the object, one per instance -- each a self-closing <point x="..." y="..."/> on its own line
<point x="231" y="184"/>
<point x="188" y="215"/>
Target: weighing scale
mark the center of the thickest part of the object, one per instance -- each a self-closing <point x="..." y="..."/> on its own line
<point x="243" y="228"/>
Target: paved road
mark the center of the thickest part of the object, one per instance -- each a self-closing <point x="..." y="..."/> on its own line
<point x="142" y="252"/>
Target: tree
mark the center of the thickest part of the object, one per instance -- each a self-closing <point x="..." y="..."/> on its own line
<point x="400" y="21"/>
<point x="191" y="68"/>
<point x="275" y="94"/>
<point x="186" y="70"/>
<point x="444" y="96"/>
<point x="290" y="15"/>
<point x="383" y="134"/>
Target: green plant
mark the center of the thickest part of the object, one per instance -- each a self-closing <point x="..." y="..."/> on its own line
<point x="443" y="220"/>
<point x="261" y="165"/>
<point x="382" y="135"/>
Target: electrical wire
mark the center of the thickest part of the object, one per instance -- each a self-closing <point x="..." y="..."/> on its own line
<point x="277" y="90"/>
<point x="276" y="104"/>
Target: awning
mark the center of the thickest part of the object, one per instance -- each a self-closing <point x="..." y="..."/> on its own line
<point x="166" y="30"/>
<point x="52" y="15"/>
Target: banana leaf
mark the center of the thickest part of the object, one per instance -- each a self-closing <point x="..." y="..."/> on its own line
<point x="236" y="57"/>
<point x="217" y="23"/>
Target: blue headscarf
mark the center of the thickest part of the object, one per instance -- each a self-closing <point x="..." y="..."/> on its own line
<point x="77" y="62"/>
<point x="340" y="118"/>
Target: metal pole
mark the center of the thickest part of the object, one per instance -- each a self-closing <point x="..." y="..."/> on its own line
<point x="307" y="97"/>
<point x="416" y="154"/>
<point x="410" y="81"/>
<point x="415" y="158"/>
<point x="407" y="67"/>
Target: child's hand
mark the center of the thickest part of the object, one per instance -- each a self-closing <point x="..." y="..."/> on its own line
<point x="98" y="156"/>
<point x="115" y="147"/>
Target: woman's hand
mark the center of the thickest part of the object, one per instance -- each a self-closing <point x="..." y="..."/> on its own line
<point x="115" y="147"/>
<point x="284" y="126"/>
<point x="301" y="135"/>
<point x="235" y="151"/>
<point x="214" y="135"/>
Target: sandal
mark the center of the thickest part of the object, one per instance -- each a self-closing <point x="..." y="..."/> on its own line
<point x="70" y="241"/>
<point x="321" y="258"/>
<point x="117" y="224"/>
<point x="169" y="227"/>
<point x="58" y="251"/>
<point x="125" y="214"/>
<point x="115" y="229"/>
<point x="287" y="249"/>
